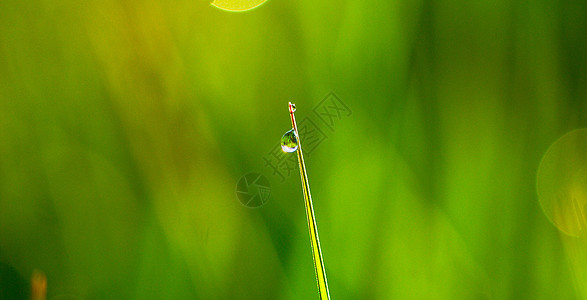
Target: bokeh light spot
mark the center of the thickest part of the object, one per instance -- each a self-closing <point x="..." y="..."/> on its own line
<point x="237" y="5"/>
<point x="562" y="183"/>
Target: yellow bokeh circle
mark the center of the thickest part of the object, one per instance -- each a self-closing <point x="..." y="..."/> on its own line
<point x="562" y="183"/>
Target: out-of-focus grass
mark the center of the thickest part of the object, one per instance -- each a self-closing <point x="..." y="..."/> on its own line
<point x="124" y="127"/>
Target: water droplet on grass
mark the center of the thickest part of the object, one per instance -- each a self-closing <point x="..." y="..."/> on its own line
<point x="289" y="141"/>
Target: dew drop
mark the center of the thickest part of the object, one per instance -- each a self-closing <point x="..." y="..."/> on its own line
<point x="289" y="141"/>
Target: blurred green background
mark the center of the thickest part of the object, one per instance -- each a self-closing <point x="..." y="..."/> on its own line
<point x="125" y="126"/>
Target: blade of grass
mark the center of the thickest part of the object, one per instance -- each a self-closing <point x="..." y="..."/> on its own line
<point x="314" y="240"/>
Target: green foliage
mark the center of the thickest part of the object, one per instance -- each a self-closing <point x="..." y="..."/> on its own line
<point x="125" y="126"/>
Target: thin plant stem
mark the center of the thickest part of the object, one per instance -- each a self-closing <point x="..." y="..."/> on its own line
<point x="314" y="240"/>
